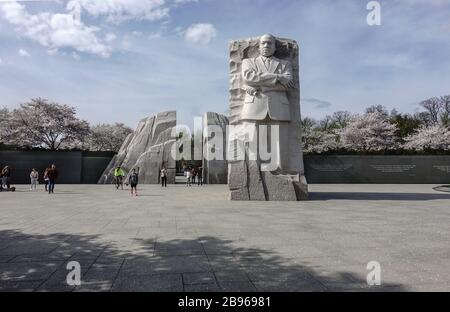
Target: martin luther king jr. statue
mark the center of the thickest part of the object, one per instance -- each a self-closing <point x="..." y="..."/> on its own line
<point x="265" y="108"/>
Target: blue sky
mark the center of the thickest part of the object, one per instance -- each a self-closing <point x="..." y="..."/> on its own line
<point x="127" y="59"/>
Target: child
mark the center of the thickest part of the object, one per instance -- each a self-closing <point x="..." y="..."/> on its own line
<point x="133" y="181"/>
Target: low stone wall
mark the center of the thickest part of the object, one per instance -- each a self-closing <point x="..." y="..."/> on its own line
<point x="383" y="169"/>
<point x="74" y="166"/>
<point x="87" y="167"/>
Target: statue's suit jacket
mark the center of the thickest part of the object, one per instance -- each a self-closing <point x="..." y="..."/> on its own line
<point x="271" y="98"/>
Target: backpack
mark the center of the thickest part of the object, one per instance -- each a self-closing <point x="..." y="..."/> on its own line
<point x="133" y="179"/>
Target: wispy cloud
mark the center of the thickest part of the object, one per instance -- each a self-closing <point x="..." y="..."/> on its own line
<point x="317" y="103"/>
<point x="117" y="11"/>
<point x="23" y="52"/>
<point x="200" y="33"/>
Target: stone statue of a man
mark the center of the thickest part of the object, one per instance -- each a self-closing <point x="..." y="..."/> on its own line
<point x="266" y="78"/>
<point x="266" y="81"/>
<point x="265" y="159"/>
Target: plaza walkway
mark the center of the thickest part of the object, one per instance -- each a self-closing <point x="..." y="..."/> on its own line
<point x="195" y="239"/>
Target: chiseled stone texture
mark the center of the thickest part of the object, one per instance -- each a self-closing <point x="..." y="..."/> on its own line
<point x="148" y="147"/>
<point x="215" y="171"/>
<point x="246" y="181"/>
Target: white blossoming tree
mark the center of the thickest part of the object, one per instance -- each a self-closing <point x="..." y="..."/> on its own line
<point x="107" y="137"/>
<point x="369" y="132"/>
<point x="319" y="142"/>
<point x="40" y="123"/>
<point x="435" y="137"/>
<point x="5" y="126"/>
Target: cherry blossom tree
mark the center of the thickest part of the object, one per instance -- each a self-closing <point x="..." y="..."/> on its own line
<point x="319" y="142"/>
<point x="435" y="137"/>
<point x="319" y="137"/>
<point x="40" y="123"/>
<point x="107" y="137"/>
<point x="5" y="126"/>
<point x="369" y="132"/>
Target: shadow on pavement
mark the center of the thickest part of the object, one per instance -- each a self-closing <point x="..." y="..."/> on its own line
<point x="38" y="263"/>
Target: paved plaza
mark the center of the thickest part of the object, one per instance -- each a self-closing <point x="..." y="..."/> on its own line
<point x="195" y="239"/>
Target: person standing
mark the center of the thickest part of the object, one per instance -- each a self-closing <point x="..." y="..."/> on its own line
<point x="133" y="181"/>
<point x="52" y="176"/>
<point x="34" y="176"/>
<point x="163" y="177"/>
<point x="6" y="177"/>
<point x="193" y="174"/>
<point x="188" y="177"/>
<point x="119" y="174"/>
<point x="200" y="176"/>
<point x="46" y="178"/>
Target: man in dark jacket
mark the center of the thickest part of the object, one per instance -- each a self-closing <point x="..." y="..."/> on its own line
<point x="52" y="174"/>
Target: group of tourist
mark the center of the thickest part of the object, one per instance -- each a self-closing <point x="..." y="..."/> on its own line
<point x="191" y="174"/>
<point x="49" y="177"/>
<point x="119" y="175"/>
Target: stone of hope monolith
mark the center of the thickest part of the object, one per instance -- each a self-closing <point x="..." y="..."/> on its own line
<point x="149" y="148"/>
<point x="265" y="159"/>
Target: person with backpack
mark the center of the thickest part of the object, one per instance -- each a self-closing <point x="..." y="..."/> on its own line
<point x="34" y="176"/>
<point x="119" y="174"/>
<point x="133" y="180"/>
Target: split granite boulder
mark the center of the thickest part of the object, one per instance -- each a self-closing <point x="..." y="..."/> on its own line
<point x="149" y="148"/>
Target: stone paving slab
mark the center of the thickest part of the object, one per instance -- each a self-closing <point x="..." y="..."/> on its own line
<point x="195" y="239"/>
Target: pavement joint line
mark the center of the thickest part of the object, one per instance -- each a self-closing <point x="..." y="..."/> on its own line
<point x="117" y="274"/>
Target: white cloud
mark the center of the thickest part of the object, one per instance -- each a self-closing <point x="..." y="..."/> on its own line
<point x="110" y="37"/>
<point x="55" y="31"/>
<point x="200" y="33"/>
<point x="121" y="10"/>
<point x="23" y="52"/>
<point x="1" y="61"/>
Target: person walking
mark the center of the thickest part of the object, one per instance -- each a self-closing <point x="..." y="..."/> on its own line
<point x="6" y="177"/>
<point x="34" y="176"/>
<point x="46" y="178"/>
<point x="52" y="174"/>
<point x="133" y="181"/>
<point x="163" y="175"/>
<point x="119" y="174"/>
<point x="200" y="176"/>
<point x="188" y="177"/>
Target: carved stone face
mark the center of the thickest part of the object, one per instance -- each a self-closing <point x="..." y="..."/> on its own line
<point x="267" y="45"/>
